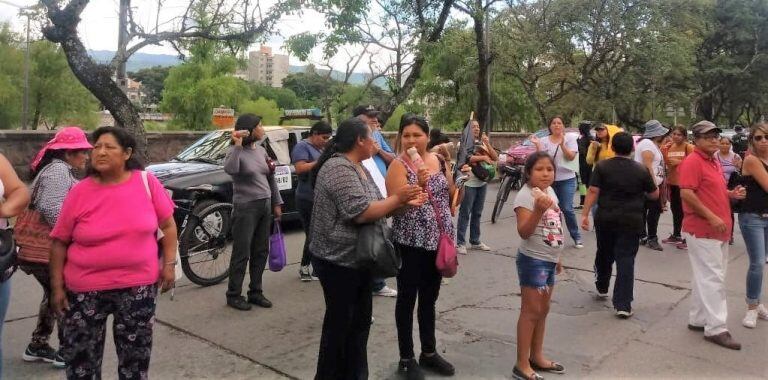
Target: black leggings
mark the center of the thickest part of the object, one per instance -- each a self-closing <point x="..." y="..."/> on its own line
<point x="418" y="278"/>
<point x="304" y="207"/>
<point x="676" y="204"/>
<point x="651" y="216"/>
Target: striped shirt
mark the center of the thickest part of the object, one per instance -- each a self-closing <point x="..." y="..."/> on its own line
<point x="51" y="187"/>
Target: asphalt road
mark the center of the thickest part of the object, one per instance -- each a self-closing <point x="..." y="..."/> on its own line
<point x="198" y="337"/>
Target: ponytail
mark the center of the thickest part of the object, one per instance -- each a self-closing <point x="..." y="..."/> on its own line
<point x="331" y="148"/>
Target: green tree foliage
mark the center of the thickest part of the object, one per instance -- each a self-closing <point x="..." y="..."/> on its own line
<point x="268" y="110"/>
<point x="284" y="97"/>
<point x="194" y="88"/>
<point x="152" y="81"/>
<point x="11" y="78"/>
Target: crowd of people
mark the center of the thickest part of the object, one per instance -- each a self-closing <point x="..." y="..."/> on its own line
<point x="101" y="263"/>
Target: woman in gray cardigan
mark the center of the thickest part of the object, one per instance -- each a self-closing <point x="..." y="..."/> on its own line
<point x="256" y="200"/>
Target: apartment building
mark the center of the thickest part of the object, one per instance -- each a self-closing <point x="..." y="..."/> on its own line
<point x="267" y="68"/>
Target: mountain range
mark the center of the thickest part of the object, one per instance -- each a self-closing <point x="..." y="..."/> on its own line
<point x="140" y="61"/>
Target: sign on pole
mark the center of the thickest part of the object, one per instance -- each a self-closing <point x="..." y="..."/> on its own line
<point x="223" y="118"/>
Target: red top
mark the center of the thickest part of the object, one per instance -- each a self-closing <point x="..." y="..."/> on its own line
<point x="702" y="174"/>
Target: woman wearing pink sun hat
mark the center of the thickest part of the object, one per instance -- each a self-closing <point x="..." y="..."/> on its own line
<point x="55" y="170"/>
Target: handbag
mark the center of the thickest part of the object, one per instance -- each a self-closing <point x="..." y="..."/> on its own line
<point x="447" y="261"/>
<point x="32" y="234"/>
<point x="8" y="255"/>
<point x="374" y="246"/>
<point x="277" y="257"/>
<point x="572" y="165"/>
<point x="178" y="273"/>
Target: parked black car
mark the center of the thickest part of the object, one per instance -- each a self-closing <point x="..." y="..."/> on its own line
<point x="202" y="192"/>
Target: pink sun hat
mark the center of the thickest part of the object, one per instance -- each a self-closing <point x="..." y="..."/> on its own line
<point x="69" y="137"/>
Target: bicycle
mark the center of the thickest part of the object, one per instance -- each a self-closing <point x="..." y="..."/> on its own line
<point x="511" y="179"/>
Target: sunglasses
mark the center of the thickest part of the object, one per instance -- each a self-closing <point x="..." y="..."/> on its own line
<point x="759" y="138"/>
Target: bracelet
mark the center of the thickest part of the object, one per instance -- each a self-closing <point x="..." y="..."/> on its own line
<point x="174" y="262"/>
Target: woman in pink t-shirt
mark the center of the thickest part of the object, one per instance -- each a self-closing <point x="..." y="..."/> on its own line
<point x="104" y="259"/>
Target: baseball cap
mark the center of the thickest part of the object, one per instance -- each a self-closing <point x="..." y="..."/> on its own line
<point x="703" y="127"/>
<point x="366" y="109"/>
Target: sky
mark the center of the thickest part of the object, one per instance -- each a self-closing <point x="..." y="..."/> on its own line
<point x="98" y="28"/>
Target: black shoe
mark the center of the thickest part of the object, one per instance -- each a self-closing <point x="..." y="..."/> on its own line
<point x="259" y="300"/>
<point x="437" y="364"/>
<point x="44" y="353"/>
<point x="654" y="245"/>
<point x="238" y="303"/>
<point x="58" y="361"/>
<point x="695" y="328"/>
<point x="410" y="369"/>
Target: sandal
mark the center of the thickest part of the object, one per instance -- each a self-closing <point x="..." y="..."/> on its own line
<point x="554" y="367"/>
<point x="519" y="375"/>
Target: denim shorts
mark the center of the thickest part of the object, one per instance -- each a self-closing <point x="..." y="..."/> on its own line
<point x="535" y="273"/>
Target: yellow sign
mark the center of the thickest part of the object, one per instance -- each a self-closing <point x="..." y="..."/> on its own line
<point x="223" y="118"/>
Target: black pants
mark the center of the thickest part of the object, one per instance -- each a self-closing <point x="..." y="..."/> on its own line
<point x="46" y="318"/>
<point x="676" y="204"/>
<point x="619" y="247"/>
<point x="84" y="326"/>
<point x="651" y="216"/>
<point x="250" y="230"/>
<point x="304" y="207"/>
<point x="344" y="341"/>
<point x="418" y="278"/>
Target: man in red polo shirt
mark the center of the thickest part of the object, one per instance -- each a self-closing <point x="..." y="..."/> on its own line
<point x="707" y="228"/>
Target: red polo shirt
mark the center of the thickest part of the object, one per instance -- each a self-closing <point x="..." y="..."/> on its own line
<point x="703" y="174"/>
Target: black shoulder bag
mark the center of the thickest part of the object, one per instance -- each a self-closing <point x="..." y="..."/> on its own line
<point x="375" y="249"/>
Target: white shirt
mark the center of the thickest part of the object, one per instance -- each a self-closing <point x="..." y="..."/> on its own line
<point x="658" y="159"/>
<point x="378" y="179"/>
<point x="554" y="150"/>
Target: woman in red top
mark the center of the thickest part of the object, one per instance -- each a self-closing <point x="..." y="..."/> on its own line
<point x="104" y="259"/>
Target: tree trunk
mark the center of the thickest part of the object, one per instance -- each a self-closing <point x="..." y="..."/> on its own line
<point x="98" y="80"/>
<point x="483" y="90"/>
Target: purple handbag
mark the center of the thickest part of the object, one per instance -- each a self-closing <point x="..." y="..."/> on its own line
<point x="276" y="248"/>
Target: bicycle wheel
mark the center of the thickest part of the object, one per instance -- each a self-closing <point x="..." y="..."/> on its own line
<point x="204" y="245"/>
<point x="501" y="198"/>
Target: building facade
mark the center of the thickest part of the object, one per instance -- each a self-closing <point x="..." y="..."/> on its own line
<point x="267" y="68"/>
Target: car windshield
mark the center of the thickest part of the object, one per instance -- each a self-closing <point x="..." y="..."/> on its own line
<point x="213" y="148"/>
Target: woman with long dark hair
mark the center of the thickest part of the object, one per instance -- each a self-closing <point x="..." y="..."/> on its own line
<point x="416" y="232"/>
<point x="55" y="170"/>
<point x="304" y="156"/>
<point x="674" y="154"/>
<point x="585" y="169"/>
<point x="345" y="198"/>
<point x="255" y="200"/>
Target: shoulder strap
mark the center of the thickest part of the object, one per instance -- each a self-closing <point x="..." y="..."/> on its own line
<point x="146" y="183"/>
<point x="438" y="214"/>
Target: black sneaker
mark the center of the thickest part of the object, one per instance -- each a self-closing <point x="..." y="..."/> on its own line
<point x="437" y="364"/>
<point x="44" y="353"/>
<point x="304" y="275"/>
<point x="643" y="240"/>
<point x="258" y="299"/>
<point x="238" y="303"/>
<point x="654" y="245"/>
<point x="409" y="368"/>
<point x="58" y="361"/>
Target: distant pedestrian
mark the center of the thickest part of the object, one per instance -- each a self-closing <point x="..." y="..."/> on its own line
<point x="620" y="186"/>
<point x="600" y="148"/>
<point x="256" y="203"/>
<point x="14" y="198"/>
<point x="740" y="141"/>
<point x="475" y="189"/>
<point x="104" y="259"/>
<point x="563" y="148"/>
<point x="382" y="157"/>
<point x="648" y="153"/>
<point x="707" y="228"/>
<point x="585" y="169"/>
<point x="674" y="154"/>
<point x="345" y="198"/>
<point x="539" y="224"/>
<point x="753" y="220"/>
<point x="730" y="163"/>
<point x="304" y="156"/>
<point x="416" y="233"/>
<point x="55" y="170"/>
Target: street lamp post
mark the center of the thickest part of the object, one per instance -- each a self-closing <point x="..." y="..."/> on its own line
<point x="27" y="12"/>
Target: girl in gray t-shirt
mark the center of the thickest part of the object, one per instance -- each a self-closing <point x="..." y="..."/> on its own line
<point x="539" y="223"/>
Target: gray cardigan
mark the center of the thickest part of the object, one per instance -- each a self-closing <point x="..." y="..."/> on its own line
<point x="251" y="178"/>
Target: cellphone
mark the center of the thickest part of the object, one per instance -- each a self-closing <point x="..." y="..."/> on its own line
<point x="242" y="133"/>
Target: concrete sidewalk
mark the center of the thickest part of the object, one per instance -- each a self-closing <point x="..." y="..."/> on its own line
<point x="197" y="337"/>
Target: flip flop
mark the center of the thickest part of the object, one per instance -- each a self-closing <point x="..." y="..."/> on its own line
<point x="519" y="375"/>
<point x="554" y="367"/>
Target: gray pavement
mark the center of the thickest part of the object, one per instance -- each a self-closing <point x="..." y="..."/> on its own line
<point x="197" y="337"/>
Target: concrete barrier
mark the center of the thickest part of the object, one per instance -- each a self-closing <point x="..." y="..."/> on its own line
<point x="20" y="147"/>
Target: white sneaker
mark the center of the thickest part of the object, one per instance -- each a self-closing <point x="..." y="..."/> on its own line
<point x="461" y="249"/>
<point x="579" y="244"/>
<point x="762" y="312"/>
<point x="386" y="291"/>
<point x="480" y="247"/>
<point x="602" y="296"/>
<point x="750" y="320"/>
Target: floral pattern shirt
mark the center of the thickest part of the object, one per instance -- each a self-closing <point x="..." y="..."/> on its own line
<point x="418" y="226"/>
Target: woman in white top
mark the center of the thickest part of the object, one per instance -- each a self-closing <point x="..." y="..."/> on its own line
<point x="14" y="198"/>
<point x="648" y="153"/>
<point x="563" y="148"/>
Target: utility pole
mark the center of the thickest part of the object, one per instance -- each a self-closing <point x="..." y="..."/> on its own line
<point x="488" y="120"/>
<point x="25" y="104"/>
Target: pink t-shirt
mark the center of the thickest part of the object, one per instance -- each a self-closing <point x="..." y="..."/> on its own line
<point x="111" y="230"/>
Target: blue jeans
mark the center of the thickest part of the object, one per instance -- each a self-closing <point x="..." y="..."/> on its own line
<point x="754" y="229"/>
<point x="535" y="273"/>
<point x="469" y="213"/>
<point x="565" y="191"/>
<point x="5" y="297"/>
